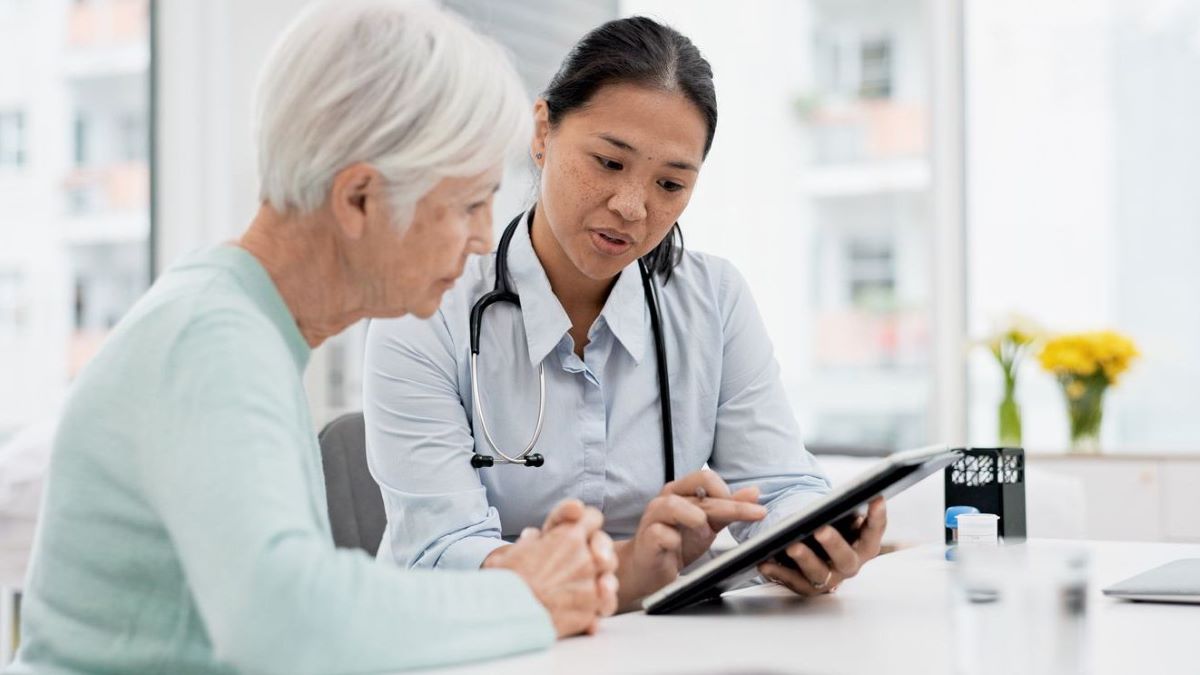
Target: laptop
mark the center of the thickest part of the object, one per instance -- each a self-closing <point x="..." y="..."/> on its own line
<point x="1177" y="581"/>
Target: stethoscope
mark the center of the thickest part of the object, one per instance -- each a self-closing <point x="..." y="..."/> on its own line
<point x="503" y="292"/>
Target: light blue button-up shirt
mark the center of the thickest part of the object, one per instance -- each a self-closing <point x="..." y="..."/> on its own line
<point x="602" y="439"/>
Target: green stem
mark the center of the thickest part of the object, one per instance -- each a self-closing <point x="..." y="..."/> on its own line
<point x="1010" y="414"/>
<point x="1087" y="411"/>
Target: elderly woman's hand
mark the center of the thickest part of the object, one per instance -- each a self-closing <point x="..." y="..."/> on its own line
<point x="677" y="527"/>
<point x="569" y="565"/>
<point x="845" y="560"/>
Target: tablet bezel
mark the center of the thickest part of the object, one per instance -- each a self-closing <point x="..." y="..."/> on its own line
<point x="888" y="477"/>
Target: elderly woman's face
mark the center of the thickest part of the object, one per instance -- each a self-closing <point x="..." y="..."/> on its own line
<point x="617" y="173"/>
<point x="452" y="221"/>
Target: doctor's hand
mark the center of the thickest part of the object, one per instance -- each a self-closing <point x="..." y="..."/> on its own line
<point x="677" y="527"/>
<point x="569" y="565"/>
<point x="845" y="560"/>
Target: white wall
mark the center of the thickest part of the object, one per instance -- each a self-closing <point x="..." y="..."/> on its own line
<point x="747" y="206"/>
<point x="209" y="56"/>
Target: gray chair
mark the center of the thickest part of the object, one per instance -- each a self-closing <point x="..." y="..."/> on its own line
<point x="356" y="512"/>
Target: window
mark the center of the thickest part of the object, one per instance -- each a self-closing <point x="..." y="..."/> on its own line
<point x="876" y="78"/>
<point x="12" y="139"/>
<point x="1083" y="212"/>
<point x="818" y="190"/>
<point x="133" y="137"/>
<point x="80" y="140"/>
<point x="871" y="274"/>
<point x="74" y="226"/>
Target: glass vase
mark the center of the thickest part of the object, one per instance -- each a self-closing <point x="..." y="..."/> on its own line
<point x="1009" y="417"/>
<point x="1085" y="409"/>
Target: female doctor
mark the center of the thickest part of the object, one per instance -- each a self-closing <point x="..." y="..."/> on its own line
<point x="620" y="136"/>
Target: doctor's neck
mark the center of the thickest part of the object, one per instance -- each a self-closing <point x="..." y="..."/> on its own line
<point x="580" y="295"/>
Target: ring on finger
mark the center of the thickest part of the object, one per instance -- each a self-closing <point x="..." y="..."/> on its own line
<point x="821" y="586"/>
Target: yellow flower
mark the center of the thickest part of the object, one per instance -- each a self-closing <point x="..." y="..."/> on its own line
<point x="1084" y="354"/>
<point x="1010" y="340"/>
<point x="1016" y="329"/>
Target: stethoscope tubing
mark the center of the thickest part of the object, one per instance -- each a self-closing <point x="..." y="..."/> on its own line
<point x="487" y="434"/>
<point x="503" y="292"/>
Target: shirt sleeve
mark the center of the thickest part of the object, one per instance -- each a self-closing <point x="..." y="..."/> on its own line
<point x="419" y="445"/>
<point x="757" y="440"/>
<point x="235" y="491"/>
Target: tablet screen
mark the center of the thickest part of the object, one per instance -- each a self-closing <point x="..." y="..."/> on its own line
<point x="888" y="477"/>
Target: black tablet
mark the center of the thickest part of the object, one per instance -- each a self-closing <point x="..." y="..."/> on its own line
<point x="890" y="476"/>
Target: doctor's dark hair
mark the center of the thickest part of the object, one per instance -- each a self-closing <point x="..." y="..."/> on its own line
<point x="637" y="50"/>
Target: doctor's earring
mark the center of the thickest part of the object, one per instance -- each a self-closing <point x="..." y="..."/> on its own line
<point x="538" y="155"/>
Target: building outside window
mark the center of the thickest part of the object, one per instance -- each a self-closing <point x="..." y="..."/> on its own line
<point x="74" y="237"/>
<point x="876" y="63"/>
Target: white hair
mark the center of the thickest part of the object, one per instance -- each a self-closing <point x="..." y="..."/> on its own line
<point x="402" y="85"/>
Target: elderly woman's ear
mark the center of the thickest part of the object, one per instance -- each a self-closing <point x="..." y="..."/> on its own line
<point x="356" y="194"/>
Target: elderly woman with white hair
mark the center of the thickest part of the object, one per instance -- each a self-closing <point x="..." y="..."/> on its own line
<point x="184" y="528"/>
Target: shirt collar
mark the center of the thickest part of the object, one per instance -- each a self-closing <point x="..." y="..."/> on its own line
<point x="546" y="322"/>
<point x="626" y="313"/>
<point x="543" y="315"/>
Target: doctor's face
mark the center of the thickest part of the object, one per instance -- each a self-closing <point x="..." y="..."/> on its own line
<point x="617" y="173"/>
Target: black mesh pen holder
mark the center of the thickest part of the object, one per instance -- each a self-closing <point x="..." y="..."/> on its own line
<point x="993" y="481"/>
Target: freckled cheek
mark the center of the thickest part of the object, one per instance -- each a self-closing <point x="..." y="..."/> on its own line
<point x="575" y="194"/>
<point x="660" y="218"/>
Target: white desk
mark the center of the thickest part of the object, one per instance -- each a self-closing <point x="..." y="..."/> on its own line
<point x="893" y="618"/>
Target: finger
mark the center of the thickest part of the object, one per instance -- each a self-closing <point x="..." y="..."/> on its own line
<point x="712" y="484"/>
<point x="568" y="510"/>
<point x="675" y="510"/>
<point x="585" y="597"/>
<point x="567" y="545"/>
<point x="788" y="578"/>
<point x="579" y="609"/>
<point x="529" y="534"/>
<point x="813" y="568"/>
<point x="588" y="522"/>
<point x="663" y="538"/>
<point x="746" y="494"/>
<point x="607" y="587"/>
<point x="721" y="512"/>
<point x="591" y="520"/>
<point x="871" y="534"/>
<point x="603" y="551"/>
<point x="843" y="558"/>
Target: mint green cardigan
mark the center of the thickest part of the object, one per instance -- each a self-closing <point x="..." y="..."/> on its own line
<point x="184" y="528"/>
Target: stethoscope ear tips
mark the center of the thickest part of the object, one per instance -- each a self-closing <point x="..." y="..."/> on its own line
<point x="535" y="460"/>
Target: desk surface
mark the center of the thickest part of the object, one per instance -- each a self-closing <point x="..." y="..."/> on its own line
<point x="894" y="617"/>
